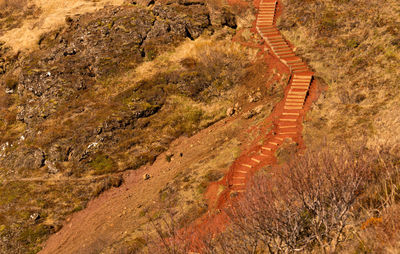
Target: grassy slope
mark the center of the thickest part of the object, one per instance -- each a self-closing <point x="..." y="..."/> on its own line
<point x="354" y="48"/>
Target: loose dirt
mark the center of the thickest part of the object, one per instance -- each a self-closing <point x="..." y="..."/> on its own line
<point x="117" y="211"/>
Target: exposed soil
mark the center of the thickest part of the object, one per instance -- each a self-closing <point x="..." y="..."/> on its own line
<point x="117" y="211"/>
<point x="110" y="215"/>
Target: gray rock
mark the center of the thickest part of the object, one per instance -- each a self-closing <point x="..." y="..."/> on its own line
<point x="255" y="111"/>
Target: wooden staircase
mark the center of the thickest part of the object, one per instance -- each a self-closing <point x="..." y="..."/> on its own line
<point x="290" y="118"/>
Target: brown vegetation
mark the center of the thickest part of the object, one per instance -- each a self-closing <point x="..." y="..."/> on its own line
<point x="353" y="46"/>
<point x="14" y="12"/>
<point x="49" y="95"/>
<point x="315" y="203"/>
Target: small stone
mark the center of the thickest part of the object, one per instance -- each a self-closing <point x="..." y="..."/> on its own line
<point x="51" y="169"/>
<point x="230" y="111"/>
<point x="146" y="177"/>
<point x="252" y="99"/>
<point x="258" y="109"/>
<point x="34" y="216"/>
<point x="255" y="111"/>
<point x="9" y="91"/>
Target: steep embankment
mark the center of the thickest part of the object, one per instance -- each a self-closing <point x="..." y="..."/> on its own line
<point x="282" y="128"/>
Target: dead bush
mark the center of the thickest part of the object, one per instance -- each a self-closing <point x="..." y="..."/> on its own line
<point x="317" y="202"/>
<point x="305" y="205"/>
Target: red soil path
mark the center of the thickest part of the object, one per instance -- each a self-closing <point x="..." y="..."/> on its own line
<point x="286" y="118"/>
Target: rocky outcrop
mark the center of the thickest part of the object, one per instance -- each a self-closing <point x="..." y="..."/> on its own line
<point x="26" y="158"/>
<point x="56" y="84"/>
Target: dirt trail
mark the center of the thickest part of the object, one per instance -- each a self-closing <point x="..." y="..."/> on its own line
<point x="106" y="217"/>
<point x="287" y="118"/>
<point x="53" y="13"/>
<point x="116" y="212"/>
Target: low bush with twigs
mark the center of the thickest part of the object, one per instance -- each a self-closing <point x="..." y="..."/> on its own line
<point x="317" y="202"/>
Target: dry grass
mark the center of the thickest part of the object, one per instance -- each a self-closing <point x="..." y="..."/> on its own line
<point x="196" y="86"/>
<point x="26" y="35"/>
<point x="320" y="202"/>
<point x="203" y="50"/>
<point x="353" y="47"/>
<point x="25" y="221"/>
<point x="12" y="3"/>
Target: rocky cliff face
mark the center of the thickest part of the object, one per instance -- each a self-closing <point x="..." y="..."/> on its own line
<point x="75" y="62"/>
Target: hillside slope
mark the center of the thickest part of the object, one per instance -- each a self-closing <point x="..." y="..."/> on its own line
<point x="81" y="102"/>
<point x="163" y="98"/>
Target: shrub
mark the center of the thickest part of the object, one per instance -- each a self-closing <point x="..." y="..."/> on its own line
<point x="102" y="164"/>
<point x="306" y="205"/>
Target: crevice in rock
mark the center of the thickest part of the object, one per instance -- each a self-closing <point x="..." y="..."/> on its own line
<point x="188" y="35"/>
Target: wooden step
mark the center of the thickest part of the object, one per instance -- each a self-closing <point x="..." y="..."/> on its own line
<point x="288" y="120"/>
<point x="255" y="160"/>
<point x="269" y="34"/>
<point x="246" y="165"/>
<point x="279" y="47"/>
<point x="289" y="54"/>
<point x="293" y="88"/>
<point x="301" y="71"/>
<point x="278" y="44"/>
<point x="286" y="55"/>
<point x="290" y="114"/>
<point x="275" y="38"/>
<point x="297" y="92"/>
<point x="283" y="51"/>
<point x="287" y="127"/>
<point x="266" y="148"/>
<point x="294" y="61"/>
<point x="265" y="155"/>
<point x="291" y="107"/>
<point x="299" y="67"/>
<point x="288" y="133"/>
<point x="301" y="82"/>
<point x="299" y="76"/>
<point x="295" y="96"/>
<point x="299" y="87"/>
<point x="294" y="100"/>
